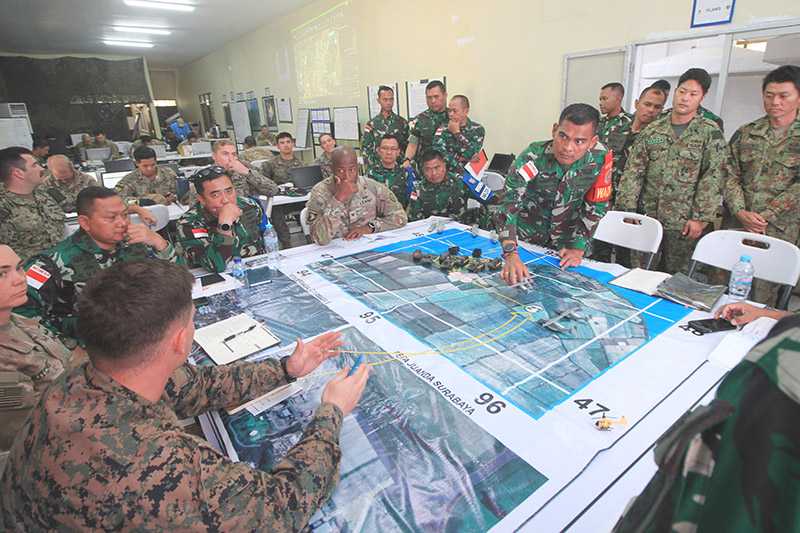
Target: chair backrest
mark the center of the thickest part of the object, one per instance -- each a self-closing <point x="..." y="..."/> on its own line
<point x="630" y="230"/>
<point x="304" y="222"/>
<point x="493" y="180"/>
<point x="778" y="261"/>
<point x="161" y="212"/>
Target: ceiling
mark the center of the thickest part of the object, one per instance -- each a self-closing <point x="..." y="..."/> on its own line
<point x="79" y="27"/>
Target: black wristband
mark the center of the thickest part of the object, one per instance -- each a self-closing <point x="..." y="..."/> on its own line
<point x="284" y="361"/>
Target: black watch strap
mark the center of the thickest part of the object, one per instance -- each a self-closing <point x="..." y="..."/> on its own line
<point x="284" y="361"/>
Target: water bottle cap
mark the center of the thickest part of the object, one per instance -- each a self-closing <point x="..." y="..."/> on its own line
<point x="745" y="259"/>
<point x="237" y="259"/>
<point x="267" y="226"/>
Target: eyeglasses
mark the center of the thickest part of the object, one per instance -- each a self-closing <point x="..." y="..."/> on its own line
<point x="209" y="173"/>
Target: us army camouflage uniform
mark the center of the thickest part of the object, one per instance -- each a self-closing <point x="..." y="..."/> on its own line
<point x="732" y="465"/>
<point x="80" y="149"/>
<point x="264" y="140"/>
<point x="445" y="199"/>
<point x="253" y="183"/>
<point x="328" y="218"/>
<point x="135" y="186"/>
<point x="66" y="192"/>
<point x="72" y="263"/>
<point x="393" y="124"/>
<point x="675" y="179"/>
<point x="277" y="168"/>
<point x="202" y="246"/>
<point x="31" y="357"/>
<point x="324" y="161"/>
<point x="765" y="177"/>
<point x="460" y="148"/>
<point x="422" y="128"/>
<point x="120" y="462"/>
<point x="29" y="224"/>
<point x="394" y="178"/>
<point x="106" y="144"/>
<point x="557" y="208"/>
<point x="256" y="153"/>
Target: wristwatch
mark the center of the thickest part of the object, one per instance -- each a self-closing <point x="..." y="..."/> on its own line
<point x="509" y="247"/>
<point x="284" y="361"/>
<point x="224" y="227"/>
<point x="371" y="225"/>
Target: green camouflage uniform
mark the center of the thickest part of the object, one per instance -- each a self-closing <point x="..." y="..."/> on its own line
<point x="256" y="153"/>
<point x="134" y="186"/>
<point x="765" y="177"/>
<point x="264" y="140"/>
<point x="203" y="247"/>
<point x="675" y="179"/>
<point x="107" y="144"/>
<point x="30" y="224"/>
<point x="421" y="130"/>
<point x="732" y="465"/>
<point x="324" y="161"/>
<point x="445" y="199"/>
<point x="557" y="207"/>
<point x="70" y="265"/>
<point x="253" y="183"/>
<point x="394" y="178"/>
<point x="328" y="218"/>
<point x="614" y="133"/>
<point x="460" y="148"/>
<point x="277" y="169"/>
<point x="395" y="125"/>
<point x="31" y="358"/>
<point x="96" y="456"/>
<point x="66" y="192"/>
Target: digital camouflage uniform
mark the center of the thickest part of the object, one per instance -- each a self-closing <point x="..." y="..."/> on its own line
<point x="31" y="357"/>
<point x="69" y="265"/>
<point x="422" y="128"/>
<point x="395" y="125"/>
<point x="324" y="161"/>
<point x="65" y="193"/>
<point x="445" y="199"/>
<point x="732" y="465"/>
<point x="256" y="153"/>
<point x="277" y="169"/>
<point x="458" y="149"/>
<point x="765" y="177"/>
<point x="264" y="140"/>
<point x="107" y="144"/>
<point x="328" y="218"/>
<point x="202" y="246"/>
<point x="556" y="207"/>
<point x="254" y="183"/>
<point x="117" y="461"/>
<point x="134" y="186"/>
<point x="394" y="178"/>
<point x="675" y="179"/>
<point x="30" y="224"/>
<point x="701" y="112"/>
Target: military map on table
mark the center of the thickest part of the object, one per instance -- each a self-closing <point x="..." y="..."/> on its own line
<point x="482" y="397"/>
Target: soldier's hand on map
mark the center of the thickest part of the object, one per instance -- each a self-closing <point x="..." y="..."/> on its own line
<point x="740" y="314"/>
<point x="308" y="356"/>
<point x="752" y="221"/>
<point x="514" y="270"/>
<point x="343" y="391"/>
<point x="238" y="167"/>
<point x="357" y="232"/>
<point x="139" y="233"/>
<point x="693" y="229"/>
<point x="570" y="257"/>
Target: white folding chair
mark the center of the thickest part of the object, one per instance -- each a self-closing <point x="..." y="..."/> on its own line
<point x="631" y="230"/>
<point x="304" y="222"/>
<point x="773" y="259"/>
<point x="160" y="212"/>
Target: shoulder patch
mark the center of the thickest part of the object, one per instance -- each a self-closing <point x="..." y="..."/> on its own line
<point x="528" y="171"/>
<point x="600" y="191"/>
<point x="37" y="276"/>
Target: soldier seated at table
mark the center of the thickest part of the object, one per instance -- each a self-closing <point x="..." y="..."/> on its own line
<point x="100" y="141"/>
<point x="388" y="170"/>
<point x="221" y="225"/>
<point x="440" y="192"/>
<point x="349" y="206"/>
<point x="63" y="182"/>
<point x="149" y="183"/>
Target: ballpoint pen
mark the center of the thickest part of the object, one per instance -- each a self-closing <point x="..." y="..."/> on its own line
<point x="234" y="335"/>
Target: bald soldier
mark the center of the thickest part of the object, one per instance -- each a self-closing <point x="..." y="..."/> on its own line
<point x="349" y="206"/>
<point x="63" y="182"/>
<point x="104" y="448"/>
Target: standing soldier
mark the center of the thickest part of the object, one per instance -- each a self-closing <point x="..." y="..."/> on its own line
<point x="265" y="138"/>
<point x="615" y="122"/>
<point x="762" y="192"/>
<point x="387" y="122"/>
<point x="422" y="127"/>
<point x="440" y="192"/>
<point x="674" y="172"/>
<point x="461" y="139"/>
<point x="389" y="172"/>
<point x="64" y="182"/>
<point x="557" y="192"/>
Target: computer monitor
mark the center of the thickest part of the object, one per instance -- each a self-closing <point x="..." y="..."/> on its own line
<point x="201" y="147"/>
<point x="501" y="163"/>
<point x="119" y="165"/>
<point x="160" y="150"/>
<point x="305" y="178"/>
<point x="98" y="154"/>
<point x="76" y="138"/>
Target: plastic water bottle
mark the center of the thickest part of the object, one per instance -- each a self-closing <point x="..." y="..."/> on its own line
<point x="741" y="279"/>
<point x="271" y="247"/>
<point x="239" y="274"/>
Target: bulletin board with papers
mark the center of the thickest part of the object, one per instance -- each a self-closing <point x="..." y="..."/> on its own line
<point x="345" y="120"/>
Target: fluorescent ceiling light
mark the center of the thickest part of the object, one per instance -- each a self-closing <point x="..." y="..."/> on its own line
<point x="174" y="6"/>
<point x="133" y="44"/>
<point x="149" y="31"/>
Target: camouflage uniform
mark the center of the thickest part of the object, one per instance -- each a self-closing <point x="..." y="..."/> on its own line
<point x="328" y="218"/>
<point x="614" y="129"/>
<point x="732" y="465"/>
<point x="66" y="192"/>
<point x="460" y="148"/>
<point x="277" y="168"/>
<point x="256" y="153"/>
<point x="106" y="144"/>
<point x="70" y="264"/>
<point x="701" y="112"/>
<point x="394" y="178"/>
<point x="135" y="186"/>
<point x="30" y="224"/>
<point x="31" y="358"/>
<point x="324" y="161"/>
<point x="445" y="199"/>
<point x="120" y="462"/>
<point x="395" y="125"/>
<point x="765" y="177"/>
<point x="556" y="207"/>
<point x="675" y="179"/>
<point x="80" y="149"/>
<point x="202" y="246"/>
<point x="422" y="128"/>
<point x="264" y="140"/>
<point x="253" y="183"/>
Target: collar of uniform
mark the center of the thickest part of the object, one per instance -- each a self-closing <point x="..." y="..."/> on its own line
<point x="103" y="382"/>
<point x="21" y="199"/>
<point x="84" y="241"/>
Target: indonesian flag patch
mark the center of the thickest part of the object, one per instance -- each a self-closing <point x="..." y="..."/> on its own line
<point x="528" y="171"/>
<point x="37" y="276"/>
<point x="600" y="190"/>
<point x="199" y="233"/>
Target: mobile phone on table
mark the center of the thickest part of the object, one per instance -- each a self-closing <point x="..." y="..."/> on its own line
<point x="210" y="279"/>
<point x="711" y="325"/>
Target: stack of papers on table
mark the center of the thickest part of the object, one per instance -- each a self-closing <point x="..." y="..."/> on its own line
<point x="234" y="338"/>
<point x="678" y="288"/>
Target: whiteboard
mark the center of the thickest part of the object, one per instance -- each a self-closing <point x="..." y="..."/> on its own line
<point x="15" y="132"/>
<point x="345" y="120"/>
<point x="241" y="120"/>
<point x="415" y="95"/>
<point x="372" y="99"/>
<point x="284" y="110"/>
<point x="301" y="128"/>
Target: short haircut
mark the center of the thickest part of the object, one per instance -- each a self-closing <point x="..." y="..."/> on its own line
<point x="434" y="84"/>
<point x="59" y="157"/>
<point x="125" y="310"/>
<point x="340" y="154"/>
<point x="383" y="88"/>
<point x="784" y="74"/>
<point x="663" y="85"/>
<point x="11" y="158"/>
<point x="614" y="86"/>
<point x="98" y="132"/>
<point x="249" y="141"/>
<point x="41" y="143"/>
<point x="389" y="136"/>
<point x="430" y="155"/>
<point x="653" y="90"/>
<point x="146" y="138"/>
<point x="144" y="152"/>
<point x="463" y="99"/>
<point x="85" y="200"/>
<point x="220" y="143"/>
<point x="263" y="127"/>
<point x="284" y="135"/>
<point x="699" y="75"/>
<point x="209" y="173"/>
<point x="580" y="114"/>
